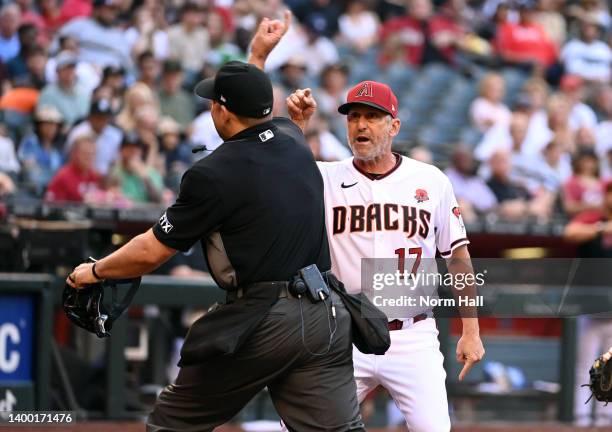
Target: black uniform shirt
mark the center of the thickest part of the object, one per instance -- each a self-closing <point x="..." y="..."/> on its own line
<point x="256" y="203"/>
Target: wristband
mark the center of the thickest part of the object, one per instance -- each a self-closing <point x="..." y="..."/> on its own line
<point x="93" y="271"/>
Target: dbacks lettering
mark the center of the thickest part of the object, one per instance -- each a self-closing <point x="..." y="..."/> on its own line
<point x="378" y="217"/>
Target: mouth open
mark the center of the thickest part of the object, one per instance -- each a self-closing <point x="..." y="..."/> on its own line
<point x="362" y="139"/>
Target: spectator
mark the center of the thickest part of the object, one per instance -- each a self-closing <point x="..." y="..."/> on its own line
<point x="148" y="69"/>
<point x="52" y="17"/>
<point x="526" y="42"/>
<point x="137" y="96"/>
<point x="358" y="27"/>
<point x="188" y="40"/>
<point x="113" y="77"/>
<point x="472" y="193"/>
<point x="552" y="21"/>
<point x="174" y="101"/>
<point x="17" y="67"/>
<point x="319" y="49"/>
<point x="221" y="49"/>
<point x="509" y="137"/>
<point x="8" y="159"/>
<point x="87" y="75"/>
<point x="30" y="16"/>
<point x="583" y="190"/>
<point x="588" y="57"/>
<point x="421" y="37"/>
<point x="489" y="110"/>
<point x="41" y="152"/>
<point x="66" y="95"/>
<point x="34" y="74"/>
<point x="329" y="147"/>
<point x="144" y="35"/>
<point x="515" y="202"/>
<point x="581" y="115"/>
<point x="591" y="9"/>
<point x="321" y="14"/>
<point x="146" y="130"/>
<point x="78" y="176"/>
<point x="10" y="19"/>
<point x="140" y="182"/>
<point x="176" y="154"/>
<point x="603" y="131"/>
<point x="101" y="42"/>
<point x="292" y="74"/>
<point x="332" y="94"/>
<point x="98" y="126"/>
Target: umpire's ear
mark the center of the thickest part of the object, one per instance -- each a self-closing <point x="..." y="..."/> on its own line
<point x="395" y="127"/>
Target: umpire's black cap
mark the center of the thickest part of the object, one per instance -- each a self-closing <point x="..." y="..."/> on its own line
<point x="243" y="88"/>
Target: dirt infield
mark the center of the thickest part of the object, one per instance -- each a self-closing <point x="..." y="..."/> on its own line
<point x="139" y="427"/>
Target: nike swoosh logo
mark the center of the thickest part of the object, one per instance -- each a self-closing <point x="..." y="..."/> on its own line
<point x="343" y="186"/>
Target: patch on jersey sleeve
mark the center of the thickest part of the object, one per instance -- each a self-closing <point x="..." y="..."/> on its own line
<point x="165" y="224"/>
<point x="457" y="212"/>
<point x="421" y="195"/>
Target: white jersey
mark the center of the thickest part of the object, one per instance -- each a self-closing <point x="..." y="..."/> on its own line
<point x="409" y="212"/>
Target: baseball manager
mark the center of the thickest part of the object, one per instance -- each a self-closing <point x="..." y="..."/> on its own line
<point x="256" y="206"/>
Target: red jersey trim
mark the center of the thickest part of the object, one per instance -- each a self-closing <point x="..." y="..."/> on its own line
<point x="374" y="177"/>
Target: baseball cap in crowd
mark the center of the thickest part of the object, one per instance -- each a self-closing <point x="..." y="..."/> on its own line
<point x="65" y="58"/>
<point x="171" y="66"/>
<point x="132" y="140"/>
<point x="113" y="70"/>
<point x="48" y="114"/>
<point x="371" y="93"/>
<point x="242" y="88"/>
<point x="101" y="107"/>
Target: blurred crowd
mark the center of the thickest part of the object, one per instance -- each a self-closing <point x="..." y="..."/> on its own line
<point x="97" y="104"/>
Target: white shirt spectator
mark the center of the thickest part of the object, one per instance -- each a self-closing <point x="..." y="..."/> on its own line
<point x="590" y="61"/>
<point x="332" y="148"/>
<point x="534" y="173"/>
<point x="8" y="159"/>
<point x="159" y="42"/>
<point x="603" y="138"/>
<point x="320" y="54"/>
<point x="485" y="114"/>
<point x="582" y="116"/>
<point x="107" y="143"/>
<point x="356" y="28"/>
<point x="472" y="189"/>
<point x="88" y="77"/>
<point x="204" y="132"/>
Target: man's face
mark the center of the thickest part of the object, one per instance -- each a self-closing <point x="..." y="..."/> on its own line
<point x="84" y="155"/>
<point x="172" y="81"/>
<point x="149" y="69"/>
<point x="370" y="132"/>
<point x="107" y="14"/>
<point x="66" y="75"/>
<point x="420" y="9"/>
<point x="99" y="122"/>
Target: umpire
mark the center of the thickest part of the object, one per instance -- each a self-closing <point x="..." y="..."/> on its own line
<point x="256" y="206"/>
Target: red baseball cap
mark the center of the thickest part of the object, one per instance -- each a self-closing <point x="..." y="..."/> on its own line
<point x="371" y="93"/>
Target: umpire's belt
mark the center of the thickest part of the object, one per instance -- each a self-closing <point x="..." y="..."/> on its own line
<point x="281" y="286"/>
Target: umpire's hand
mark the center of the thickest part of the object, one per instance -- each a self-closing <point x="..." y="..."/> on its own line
<point x="268" y="35"/>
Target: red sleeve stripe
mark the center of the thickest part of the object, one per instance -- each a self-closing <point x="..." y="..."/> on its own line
<point x="453" y="245"/>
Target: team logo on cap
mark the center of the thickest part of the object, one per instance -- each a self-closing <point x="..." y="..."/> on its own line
<point x="421" y="195"/>
<point x="365" y="90"/>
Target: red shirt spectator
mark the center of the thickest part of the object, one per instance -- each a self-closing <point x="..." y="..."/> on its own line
<point x="583" y="190"/>
<point x="78" y="177"/>
<point x="422" y="38"/>
<point x="525" y="41"/>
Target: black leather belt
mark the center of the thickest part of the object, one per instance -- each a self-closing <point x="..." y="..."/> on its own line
<point x="282" y="286"/>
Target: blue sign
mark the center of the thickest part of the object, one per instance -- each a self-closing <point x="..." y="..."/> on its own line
<point x="16" y="337"/>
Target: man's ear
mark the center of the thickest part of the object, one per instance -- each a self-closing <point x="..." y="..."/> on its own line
<point x="395" y="127"/>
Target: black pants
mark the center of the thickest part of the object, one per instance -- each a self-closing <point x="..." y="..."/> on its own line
<point x="310" y="392"/>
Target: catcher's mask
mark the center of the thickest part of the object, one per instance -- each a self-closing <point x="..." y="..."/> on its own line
<point x="85" y="306"/>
